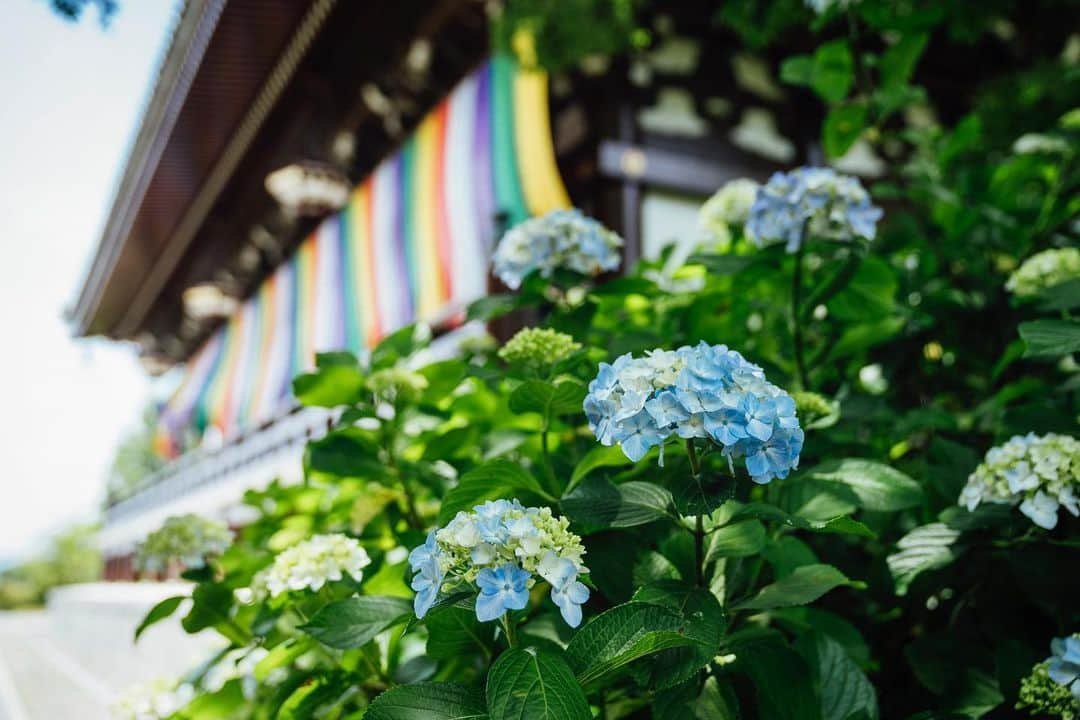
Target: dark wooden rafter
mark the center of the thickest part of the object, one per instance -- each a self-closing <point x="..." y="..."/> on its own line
<point x="303" y="100"/>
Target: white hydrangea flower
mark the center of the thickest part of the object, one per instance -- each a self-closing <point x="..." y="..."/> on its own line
<point x="1044" y="270"/>
<point x="1040" y="474"/>
<point x="728" y="207"/>
<point x="153" y="700"/>
<point x="315" y="562"/>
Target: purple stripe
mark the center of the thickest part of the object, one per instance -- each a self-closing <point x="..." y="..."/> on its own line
<point x="485" y="181"/>
<point x="404" y="297"/>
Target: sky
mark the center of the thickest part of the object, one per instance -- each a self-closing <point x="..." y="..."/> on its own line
<point x="71" y="95"/>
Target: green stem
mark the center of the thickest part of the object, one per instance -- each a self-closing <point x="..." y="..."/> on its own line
<point x="699" y="522"/>
<point x="796" y="318"/>
<point x="508" y="630"/>
<point x="545" y="451"/>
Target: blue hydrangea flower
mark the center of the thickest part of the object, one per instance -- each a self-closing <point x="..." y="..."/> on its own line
<point x="1063" y="665"/>
<point x="425" y="562"/>
<point x="504" y="588"/>
<point x="811" y="200"/>
<point x="696" y="392"/>
<point x="496" y="549"/>
<point x="561" y="239"/>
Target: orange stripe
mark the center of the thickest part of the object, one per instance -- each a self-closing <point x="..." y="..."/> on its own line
<point x="442" y="217"/>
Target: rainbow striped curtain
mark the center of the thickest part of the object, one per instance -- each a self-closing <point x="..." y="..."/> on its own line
<point x="413" y="243"/>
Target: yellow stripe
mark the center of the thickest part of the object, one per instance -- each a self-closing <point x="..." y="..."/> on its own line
<point x="540" y="178"/>
<point x="424" y="180"/>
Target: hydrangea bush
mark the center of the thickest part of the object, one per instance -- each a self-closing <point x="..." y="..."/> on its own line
<point x="811" y="202"/>
<point x="498" y="548"/>
<point x="1038" y="473"/>
<point x="707" y="392"/>
<point x="1043" y="271"/>
<point x="560" y="240"/>
<point x="189" y="539"/>
<point x="490" y="536"/>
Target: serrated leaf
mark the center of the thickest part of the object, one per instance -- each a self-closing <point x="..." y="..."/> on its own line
<point x="763" y="511"/>
<point x="534" y="684"/>
<point x="159" y="612"/>
<point x="804" y="585"/>
<point x="877" y="486"/>
<point x="781" y="678"/>
<point x="705" y="623"/>
<point x="924" y="548"/>
<point x="1050" y="338"/>
<point x="352" y="622"/>
<point x="490" y="481"/>
<point x="845" y="691"/>
<point x="600" y="456"/>
<point x="619" y="636"/>
<point x="427" y="701"/>
<point x="1063" y="296"/>
<point x="539" y="396"/>
<point x="454" y="631"/>
<point x="598" y="504"/>
<point x="703" y="494"/>
<point x="738" y="540"/>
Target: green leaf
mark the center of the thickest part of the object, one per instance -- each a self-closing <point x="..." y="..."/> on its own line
<point x="329" y="386"/>
<point x="834" y="71"/>
<point x="1050" y="338"/>
<point x="348" y="452"/>
<point x="490" y="481"/>
<point x="703" y="494"/>
<point x="782" y="683"/>
<point x="398" y="345"/>
<point x="536" y="685"/>
<point x="454" y="632"/>
<point x="598" y="504"/>
<point x="599" y="456"/>
<point x="865" y="335"/>
<point x="878" y="487"/>
<point x="353" y="622"/>
<point x="159" y="612"/>
<point x="797" y="70"/>
<point x="804" y="585"/>
<point x="1063" y="296"/>
<point x="738" y="540"/>
<point x="843" y="126"/>
<point x="619" y="636"/>
<point x="705" y="623"/>
<point x="280" y="656"/>
<point x="844" y="689"/>
<point x="427" y="701"/>
<point x="842" y="525"/>
<point x="924" y="548"/>
<point x="493" y="306"/>
<point x="546" y="398"/>
<point x="713" y="703"/>
<point x="210" y="605"/>
<point x="898" y="62"/>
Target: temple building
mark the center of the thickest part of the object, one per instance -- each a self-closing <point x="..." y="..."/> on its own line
<point x="311" y="175"/>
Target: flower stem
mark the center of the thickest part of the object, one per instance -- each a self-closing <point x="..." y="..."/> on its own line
<point x="796" y="318"/>
<point x="699" y="522"/>
<point x="508" y="630"/>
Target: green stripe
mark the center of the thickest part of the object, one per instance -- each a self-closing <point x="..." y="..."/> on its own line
<point x="509" y="197"/>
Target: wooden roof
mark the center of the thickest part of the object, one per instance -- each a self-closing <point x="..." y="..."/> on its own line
<point x="248" y="86"/>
